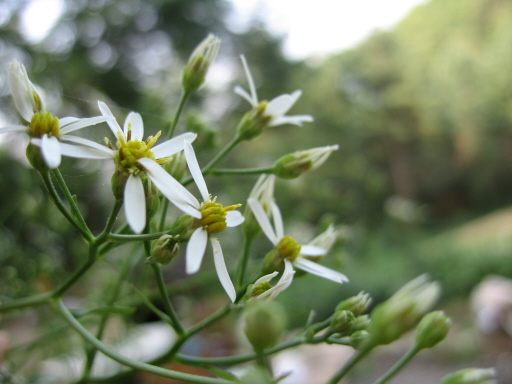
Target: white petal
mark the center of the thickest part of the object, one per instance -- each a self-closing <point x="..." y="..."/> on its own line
<point x="279" y="106"/>
<point x="81" y="148"/>
<point x="22" y="90"/>
<point x="266" y="278"/>
<point x="50" y="148"/>
<point x="312" y="250"/>
<point x="222" y="271"/>
<point x="82" y="123"/>
<point x="263" y="220"/>
<point x="195" y="250"/>
<point x="319" y="270"/>
<point x="65" y="121"/>
<point x="134" y="124"/>
<point x="171" y="188"/>
<point x="172" y="146"/>
<point x="234" y="218"/>
<point x="293" y="120"/>
<point x="135" y="204"/>
<point x="253" y="97"/>
<point x="283" y="283"/>
<point x="244" y="94"/>
<point x="112" y="122"/>
<point x="13" y="128"/>
<point x="278" y="221"/>
<point x="195" y="171"/>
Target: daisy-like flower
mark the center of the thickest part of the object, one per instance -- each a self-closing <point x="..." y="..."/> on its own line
<point x="262" y="289"/>
<point x="136" y="158"/>
<point x="287" y="248"/>
<point x="46" y="131"/>
<point x="213" y="218"/>
<point x="268" y="113"/>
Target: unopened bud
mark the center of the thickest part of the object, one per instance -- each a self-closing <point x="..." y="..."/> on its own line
<point x="265" y="322"/>
<point x="471" y="376"/>
<point x="432" y="329"/>
<point x="358" y="338"/>
<point x="195" y="71"/>
<point x="356" y="304"/>
<point x="342" y="322"/>
<point x="253" y="122"/>
<point x="164" y="249"/>
<point x="295" y="164"/>
<point x="361" y="323"/>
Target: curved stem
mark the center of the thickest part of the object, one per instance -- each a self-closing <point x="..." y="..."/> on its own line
<point x="354" y="359"/>
<point x="232" y="144"/>
<point x="242" y="264"/>
<point x="169" y="309"/>
<point x="136" y="365"/>
<point x="399" y="365"/>
<point x="105" y="234"/>
<point x="72" y="202"/>
<point x="183" y="100"/>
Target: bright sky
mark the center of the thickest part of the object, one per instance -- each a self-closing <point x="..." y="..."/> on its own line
<point x="317" y="27"/>
<point x="310" y="27"/>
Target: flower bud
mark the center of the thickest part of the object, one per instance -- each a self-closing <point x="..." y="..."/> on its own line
<point x="194" y="73"/>
<point x="257" y="375"/>
<point x="253" y="122"/>
<point x="265" y="322"/>
<point x="295" y="164"/>
<point x="361" y="323"/>
<point x="358" y="338"/>
<point x="164" y="249"/>
<point x="432" y="329"/>
<point x="471" y="376"/>
<point x="356" y="304"/>
<point x="402" y="311"/>
<point x="342" y="322"/>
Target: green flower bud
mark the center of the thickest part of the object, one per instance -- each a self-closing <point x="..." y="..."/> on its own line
<point x="164" y="249"/>
<point x="265" y="322"/>
<point x="342" y="322"/>
<point x="356" y="304"/>
<point x="253" y="122"/>
<point x="257" y="375"/>
<point x="35" y="158"/>
<point x="194" y="73"/>
<point x="361" y="323"/>
<point x="471" y="376"/>
<point x="432" y="329"/>
<point x="358" y="338"/>
<point x="295" y="164"/>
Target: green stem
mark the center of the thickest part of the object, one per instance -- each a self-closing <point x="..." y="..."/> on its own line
<point x="399" y="365"/>
<point x="25" y="302"/>
<point x="183" y="100"/>
<point x="105" y="234"/>
<point x="163" y="316"/>
<point x="58" y="203"/>
<point x="354" y="359"/>
<point x="72" y="202"/>
<point x="165" y="206"/>
<point x="241" y="171"/>
<point x="136" y="365"/>
<point x="242" y="264"/>
<point x="165" y="298"/>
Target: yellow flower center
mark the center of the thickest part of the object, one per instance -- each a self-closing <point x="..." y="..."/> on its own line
<point x="129" y="151"/>
<point x="213" y="216"/>
<point x="44" y="123"/>
<point x="288" y="248"/>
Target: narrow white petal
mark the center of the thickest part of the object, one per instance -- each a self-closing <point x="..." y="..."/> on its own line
<point x="222" y="271"/>
<point x="135" y="204"/>
<point x="134" y="124"/>
<point x="195" y="170"/>
<point x="172" y="146"/>
<point x="84" y="152"/>
<point x="278" y="221"/>
<point x="312" y="250"/>
<point x="13" y="128"/>
<point x="252" y="88"/>
<point x="82" y="123"/>
<point x="266" y="278"/>
<point x="292" y="120"/>
<point x="65" y="121"/>
<point x="279" y="106"/>
<point x="244" y="94"/>
<point x="171" y="188"/>
<point x="50" y="148"/>
<point x="319" y="270"/>
<point x="21" y="89"/>
<point x="234" y="218"/>
<point x="195" y="250"/>
<point x="112" y="122"/>
<point x="263" y="220"/>
<point x="102" y="151"/>
<point x="284" y="282"/>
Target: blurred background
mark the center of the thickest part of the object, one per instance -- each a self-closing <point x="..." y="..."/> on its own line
<point x="420" y="105"/>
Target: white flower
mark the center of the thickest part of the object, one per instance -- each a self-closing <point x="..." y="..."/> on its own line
<point x="136" y="158"/>
<point x="214" y="219"/>
<point x="269" y="292"/>
<point x="277" y="237"/>
<point x="46" y="131"/>
<point x="276" y="108"/>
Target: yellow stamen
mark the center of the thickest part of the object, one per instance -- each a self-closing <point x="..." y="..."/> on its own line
<point x="214" y="216"/>
<point x="288" y="248"/>
<point x="44" y="123"/>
